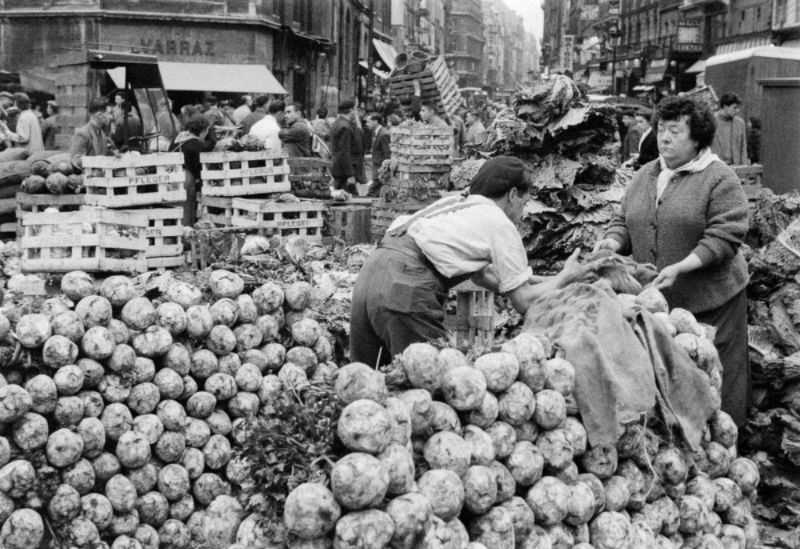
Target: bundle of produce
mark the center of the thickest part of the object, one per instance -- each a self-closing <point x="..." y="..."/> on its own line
<point x="122" y="405"/>
<point x="455" y="451"/>
<point x="243" y="143"/>
<point x="572" y="202"/>
<point x="462" y="173"/>
<point x="772" y="435"/>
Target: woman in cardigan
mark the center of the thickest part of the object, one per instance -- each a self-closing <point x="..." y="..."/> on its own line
<point x="686" y="212"/>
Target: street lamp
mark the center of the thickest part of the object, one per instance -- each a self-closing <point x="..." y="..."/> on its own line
<point x="614" y="33"/>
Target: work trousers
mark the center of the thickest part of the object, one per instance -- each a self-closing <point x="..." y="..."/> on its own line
<point x="730" y="321"/>
<point x="398" y="300"/>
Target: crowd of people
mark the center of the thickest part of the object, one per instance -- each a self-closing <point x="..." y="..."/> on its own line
<point x="733" y="142"/>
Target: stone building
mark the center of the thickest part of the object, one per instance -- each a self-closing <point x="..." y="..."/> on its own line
<point x="465" y="41"/>
<point x="317" y="50"/>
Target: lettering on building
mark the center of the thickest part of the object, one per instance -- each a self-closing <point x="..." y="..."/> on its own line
<point x="184" y="48"/>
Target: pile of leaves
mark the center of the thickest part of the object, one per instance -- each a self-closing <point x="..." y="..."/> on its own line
<point x="572" y="202"/>
<point x="292" y="441"/>
<point x="772" y="436"/>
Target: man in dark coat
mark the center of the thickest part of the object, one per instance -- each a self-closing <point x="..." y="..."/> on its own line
<point x="381" y="149"/>
<point x="342" y="138"/>
<point x="296" y="137"/>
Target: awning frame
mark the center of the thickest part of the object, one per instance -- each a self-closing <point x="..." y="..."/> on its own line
<point x="386" y="52"/>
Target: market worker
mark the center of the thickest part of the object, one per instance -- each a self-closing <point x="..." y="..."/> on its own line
<point x="686" y="212"/>
<point x="92" y="139"/>
<point x="428" y="115"/>
<point x="400" y="292"/>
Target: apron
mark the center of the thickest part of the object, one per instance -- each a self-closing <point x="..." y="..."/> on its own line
<point x="399" y="295"/>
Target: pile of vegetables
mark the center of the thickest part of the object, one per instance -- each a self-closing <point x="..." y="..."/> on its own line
<point x="489" y="452"/>
<point x="121" y="410"/>
<point x="55" y="176"/>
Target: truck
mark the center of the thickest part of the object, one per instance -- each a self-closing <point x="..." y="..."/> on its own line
<point x="81" y="77"/>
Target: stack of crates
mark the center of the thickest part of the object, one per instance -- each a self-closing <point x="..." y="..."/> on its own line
<point x="151" y="185"/>
<point x="424" y="156"/>
<point x="241" y="189"/>
<point x="90" y="239"/>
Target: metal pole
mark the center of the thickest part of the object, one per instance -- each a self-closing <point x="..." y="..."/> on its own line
<point x="370" y="55"/>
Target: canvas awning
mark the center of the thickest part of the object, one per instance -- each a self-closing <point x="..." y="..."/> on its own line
<point x="697" y="67"/>
<point x="772" y="52"/>
<point x="655" y="72"/>
<point x="386" y="52"/>
<point x="211" y="77"/>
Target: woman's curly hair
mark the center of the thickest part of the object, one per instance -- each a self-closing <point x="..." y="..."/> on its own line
<point x="702" y="124"/>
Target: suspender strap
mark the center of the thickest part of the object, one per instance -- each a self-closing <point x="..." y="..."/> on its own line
<point x="434" y="210"/>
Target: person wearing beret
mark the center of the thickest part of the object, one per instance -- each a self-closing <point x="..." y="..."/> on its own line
<point x="400" y="292"/>
<point x="686" y="213"/>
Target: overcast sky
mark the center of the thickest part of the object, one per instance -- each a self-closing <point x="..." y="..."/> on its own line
<point x="531" y="11"/>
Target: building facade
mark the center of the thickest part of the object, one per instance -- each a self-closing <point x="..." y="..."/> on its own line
<point x="419" y="25"/>
<point x="319" y="51"/>
<point x="465" y="41"/>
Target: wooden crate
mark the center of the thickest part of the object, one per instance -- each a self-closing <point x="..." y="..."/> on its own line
<point x="384" y="213"/>
<point x="92" y="239"/>
<point x="350" y="222"/>
<point x="164" y="232"/>
<point x="217" y="209"/>
<point x="310" y="177"/>
<point x="134" y="180"/>
<point x="156" y="263"/>
<point x="244" y="173"/>
<point x="436" y="84"/>
<point x="8" y="231"/>
<point x="36" y="203"/>
<point x="474" y="320"/>
<point x="282" y="218"/>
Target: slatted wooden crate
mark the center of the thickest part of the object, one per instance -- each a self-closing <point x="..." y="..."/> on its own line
<point x="420" y="149"/>
<point x="36" y="203"/>
<point x="244" y="173"/>
<point x="217" y="209"/>
<point x="310" y="177"/>
<point x="134" y="180"/>
<point x="164" y="236"/>
<point x="474" y="319"/>
<point x="384" y="214"/>
<point x="350" y="222"/>
<point x="281" y="218"/>
<point x="436" y="84"/>
<point x="92" y="239"/>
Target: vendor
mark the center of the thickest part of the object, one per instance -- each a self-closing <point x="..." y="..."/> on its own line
<point x="400" y="292"/>
<point x="92" y="139"/>
<point x="686" y="212"/>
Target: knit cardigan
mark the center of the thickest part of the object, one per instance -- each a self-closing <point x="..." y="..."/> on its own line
<point x="703" y="212"/>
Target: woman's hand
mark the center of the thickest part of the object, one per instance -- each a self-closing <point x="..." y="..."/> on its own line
<point x="607" y="244"/>
<point x="670" y="273"/>
<point x="666" y="278"/>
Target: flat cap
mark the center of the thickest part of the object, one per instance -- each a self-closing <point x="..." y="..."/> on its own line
<point x="347" y="105"/>
<point x="499" y="175"/>
<point x="6" y="94"/>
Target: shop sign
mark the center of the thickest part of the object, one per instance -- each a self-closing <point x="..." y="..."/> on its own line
<point x="187" y="48"/>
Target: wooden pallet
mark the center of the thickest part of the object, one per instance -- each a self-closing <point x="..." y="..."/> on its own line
<point x="244" y="173"/>
<point x="282" y="218"/>
<point x="134" y="180"/>
<point x="217" y="209"/>
<point x="92" y="239"/>
<point x="350" y="222"/>
<point x="310" y="177"/>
